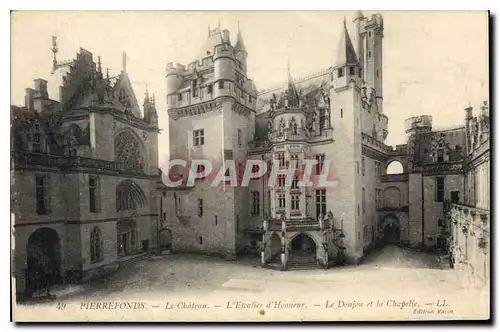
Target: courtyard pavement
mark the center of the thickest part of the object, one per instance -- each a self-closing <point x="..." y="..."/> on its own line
<point x="392" y="278"/>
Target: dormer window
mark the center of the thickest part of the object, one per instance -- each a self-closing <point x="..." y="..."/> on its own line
<point x="221" y="84"/>
<point x="352" y="71"/>
<point x="340" y="72"/>
<point x="209" y="89"/>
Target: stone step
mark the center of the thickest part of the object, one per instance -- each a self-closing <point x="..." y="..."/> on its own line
<point x="303" y="265"/>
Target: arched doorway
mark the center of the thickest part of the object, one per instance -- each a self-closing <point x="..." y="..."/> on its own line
<point x="392" y="230"/>
<point x="302" y="247"/>
<point x="275" y="245"/>
<point x="126" y="237"/>
<point x="166" y="239"/>
<point x="43" y="259"/>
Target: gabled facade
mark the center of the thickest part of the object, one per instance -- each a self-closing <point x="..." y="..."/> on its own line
<point x="84" y="174"/>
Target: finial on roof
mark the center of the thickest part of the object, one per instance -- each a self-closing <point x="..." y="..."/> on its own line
<point x="107" y="73"/>
<point x="99" y="68"/>
<point x="153" y="100"/>
<point x="147" y="93"/>
<point x="345" y="26"/>
<point x="209" y="30"/>
<point x="124" y="61"/>
<point x="218" y="23"/>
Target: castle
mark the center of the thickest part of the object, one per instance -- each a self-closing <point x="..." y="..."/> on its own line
<point x="87" y="195"/>
<point x="334" y="115"/>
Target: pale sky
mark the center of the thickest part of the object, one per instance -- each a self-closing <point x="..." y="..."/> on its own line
<point x="433" y="63"/>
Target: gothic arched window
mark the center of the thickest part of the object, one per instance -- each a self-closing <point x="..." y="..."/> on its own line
<point x="95" y="246"/>
<point x="127" y="151"/>
<point x="129" y="196"/>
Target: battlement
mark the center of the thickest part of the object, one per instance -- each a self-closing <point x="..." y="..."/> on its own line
<point x="375" y="144"/>
<point x="418" y="122"/>
<point x="375" y="20"/>
<point x="223" y="50"/>
<point x="175" y="68"/>
<point x="201" y="64"/>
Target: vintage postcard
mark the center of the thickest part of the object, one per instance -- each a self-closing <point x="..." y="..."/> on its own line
<point x="250" y="166"/>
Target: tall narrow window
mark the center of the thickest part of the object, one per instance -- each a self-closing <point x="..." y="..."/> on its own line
<point x="95" y="246"/>
<point x="439" y="189"/>
<point x="323" y="121"/>
<point x="255" y="203"/>
<point x="93" y="194"/>
<point x="440" y="155"/>
<point x="320" y="202"/>
<point x="340" y="72"/>
<point x="195" y="88"/>
<point x="281" y="159"/>
<point x="200" y="239"/>
<point x="216" y="221"/>
<point x="363" y="166"/>
<point x="281" y="201"/>
<point x="281" y="180"/>
<point x="239" y="137"/>
<point x="237" y="223"/>
<point x="352" y="71"/>
<point x="341" y="113"/>
<point x="364" y="201"/>
<point x="179" y="97"/>
<point x="295" y="183"/>
<point x="199" y="137"/>
<point x="42" y="195"/>
<point x="209" y="89"/>
<point x="320" y="158"/>
<point x="37" y="145"/>
<point x="221" y="85"/>
<point x="200" y="207"/>
<point x="295" y="202"/>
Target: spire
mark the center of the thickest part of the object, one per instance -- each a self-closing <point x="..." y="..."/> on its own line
<point x="289" y="96"/>
<point x="240" y="46"/>
<point x="124" y="61"/>
<point x="99" y="68"/>
<point x="345" y="49"/>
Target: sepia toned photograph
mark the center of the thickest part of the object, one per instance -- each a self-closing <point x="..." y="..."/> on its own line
<point x="250" y="166"/>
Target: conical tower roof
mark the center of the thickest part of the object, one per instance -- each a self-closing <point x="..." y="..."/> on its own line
<point x="289" y="91"/>
<point x="345" y="49"/>
<point x="240" y="45"/>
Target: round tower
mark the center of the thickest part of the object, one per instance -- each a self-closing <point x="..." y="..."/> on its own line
<point x="224" y="70"/>
<point x="173" y="82"/>
<point x="356" y="33"/>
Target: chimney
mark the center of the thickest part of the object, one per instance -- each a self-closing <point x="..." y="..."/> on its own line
<point x="225" y="36"/>
<point x="28" y="99"/>
<point x="41" y="89"/>
<point x="468" y="113"/>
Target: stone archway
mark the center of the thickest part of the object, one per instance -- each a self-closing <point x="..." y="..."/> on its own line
<point x="126" y="230"/>
<point x="166" y="239"/>
<point x="302" y="247"/>
<point x="43" y="259"/>
<point x="275" y="248"/>
<point x="391" y="229"/>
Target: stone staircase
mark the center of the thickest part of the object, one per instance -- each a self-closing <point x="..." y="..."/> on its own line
<point x="303" y="263"/>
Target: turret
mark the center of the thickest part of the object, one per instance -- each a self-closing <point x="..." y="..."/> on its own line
<point x="346" y="67"/>
<point x="173" y="81"/>
<point x="224" y="70"/>
<point x="357" y="36"/>
<point x="372" y="32"/>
